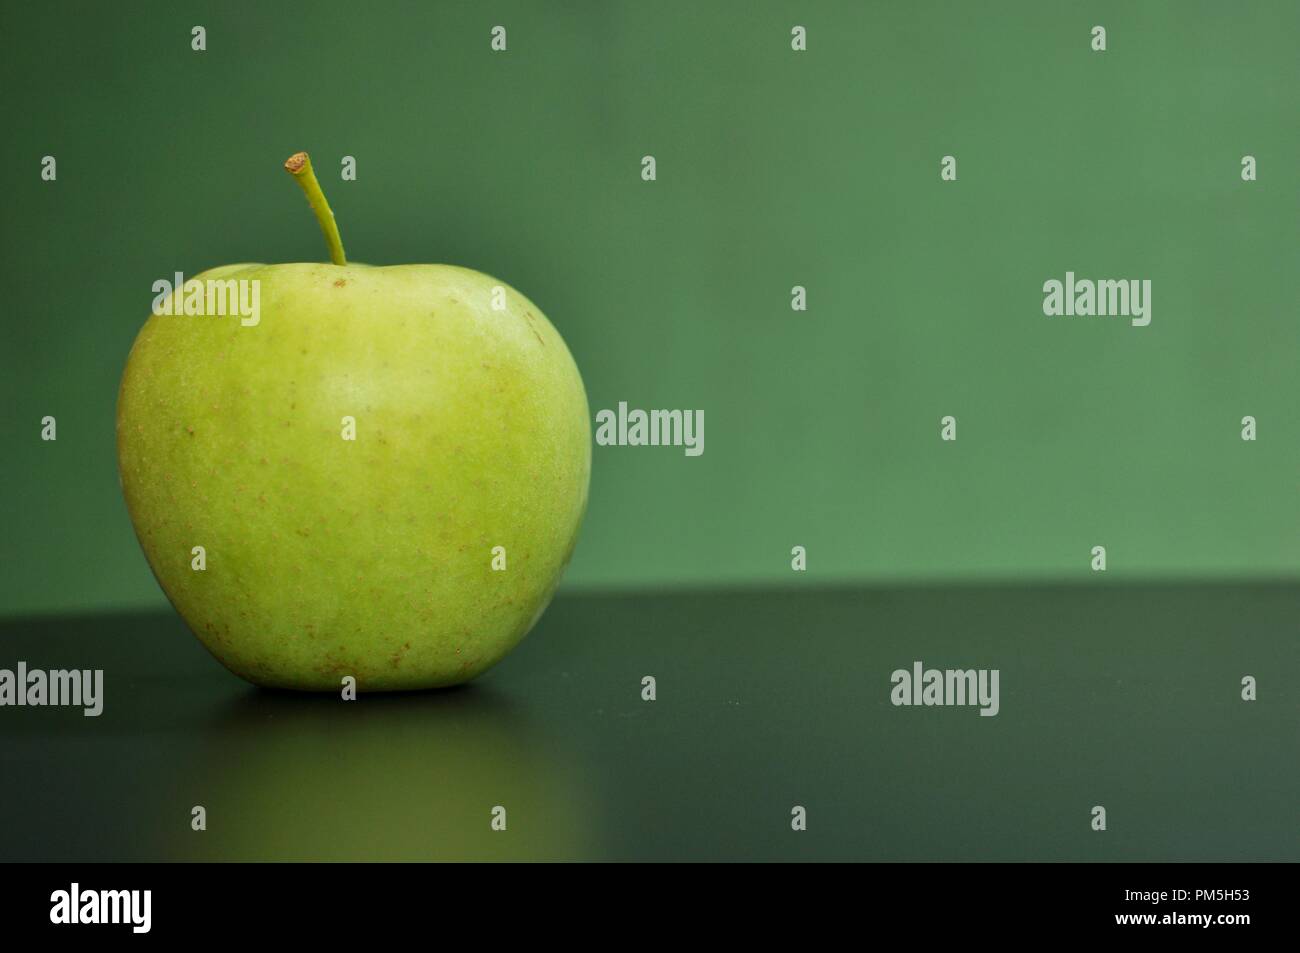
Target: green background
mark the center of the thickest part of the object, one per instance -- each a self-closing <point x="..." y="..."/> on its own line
<point x="774" y="169"/>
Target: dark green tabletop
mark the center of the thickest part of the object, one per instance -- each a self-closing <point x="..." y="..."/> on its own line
<point x="1127" y="697"/>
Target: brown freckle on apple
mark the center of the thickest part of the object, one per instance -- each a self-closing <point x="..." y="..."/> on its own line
<point x="528" y="316"/>
<point x="396" y="657"/>
<point x="340" y="283"/>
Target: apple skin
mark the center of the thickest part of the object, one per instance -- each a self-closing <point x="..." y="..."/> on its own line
<point x="371" y="558"/>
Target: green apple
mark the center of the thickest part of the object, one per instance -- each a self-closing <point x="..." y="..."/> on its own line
<point x="381" y="477"/>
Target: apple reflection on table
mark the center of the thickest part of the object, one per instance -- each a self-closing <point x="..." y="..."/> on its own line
<point x="391" y="777"/>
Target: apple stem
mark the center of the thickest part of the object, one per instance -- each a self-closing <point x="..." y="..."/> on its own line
<point x="299" y="166"/>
